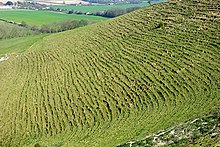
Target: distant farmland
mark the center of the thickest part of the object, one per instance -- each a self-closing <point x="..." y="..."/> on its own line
<point x="43" y="17"/>
<point x="100" y="8"/>
<point x="104" y="7"/>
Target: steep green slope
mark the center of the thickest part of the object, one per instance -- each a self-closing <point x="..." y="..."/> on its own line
<point x="19" y="44"/>
<point x="114" y="81"/>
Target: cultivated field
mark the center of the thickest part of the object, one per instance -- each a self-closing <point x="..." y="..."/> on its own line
<point x="51" y="2"/>
<point x="60" y="2"/>
<point x="114" y="81"/>
<point x="100" y="8"/>
<point x="43" y="17"/>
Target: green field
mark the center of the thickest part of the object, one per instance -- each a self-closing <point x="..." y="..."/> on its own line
<point x="18" y="45"/>
<point x="114" y="81"/>
<point x="42" y="17"/>
<point x="102" y="8"/>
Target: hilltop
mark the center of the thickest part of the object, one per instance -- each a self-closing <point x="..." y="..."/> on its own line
<point x="114" y="81"/>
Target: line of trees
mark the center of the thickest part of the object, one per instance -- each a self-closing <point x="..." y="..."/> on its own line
<point x="12" y="30"/>
<point x="8" y="30"/>
<point x="62" y="26"/>
<point x="107" y="13"/>
<point x="114" y="1"/>
<point x="57" y="26"/>
<point x="115" y="12"/>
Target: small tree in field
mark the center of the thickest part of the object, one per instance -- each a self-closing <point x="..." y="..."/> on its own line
<point x="149" y="2"/>
<point x="9" y="3"/>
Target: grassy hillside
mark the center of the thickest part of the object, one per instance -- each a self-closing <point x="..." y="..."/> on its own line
<point x="43" y="17"/>
<point x="11" y="31"/>
<point x="19" y="44"/>
<point x="114" y="81"/>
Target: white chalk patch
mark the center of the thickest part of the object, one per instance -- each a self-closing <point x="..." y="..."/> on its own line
<point x="3" y="59"/>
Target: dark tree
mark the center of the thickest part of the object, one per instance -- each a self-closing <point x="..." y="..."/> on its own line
<point x="37" y="145"/>
<point x="132" y="9"/>
<point x="9" y="3"/>
<point x="23" y="24"/>
<point x="70" y="12"/>
<point x="45" y="29"/>
<point x="34" y="28"/>
<point x="114" y="12"/>
<point x="19" y="2"/>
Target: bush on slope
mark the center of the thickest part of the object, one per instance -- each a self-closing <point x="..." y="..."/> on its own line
<point x="11" y="31"/>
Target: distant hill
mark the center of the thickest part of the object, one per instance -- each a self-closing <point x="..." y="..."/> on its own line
<point x="114" y="81"/>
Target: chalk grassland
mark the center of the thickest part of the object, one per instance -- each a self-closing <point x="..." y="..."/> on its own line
<point x="114" y="81"/>
<point x="43" y="17"/>
<point x="18" y="45"/>
<point x="202" y="131"/>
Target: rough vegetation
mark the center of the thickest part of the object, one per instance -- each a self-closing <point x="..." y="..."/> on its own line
<point x="107" y="13"/>
<point x="116" y="12"/>
<point x="202" y="131"/>
<point x="62" y="26"/>
<point x="12" y="31"/>
<point x="114" y="81"/>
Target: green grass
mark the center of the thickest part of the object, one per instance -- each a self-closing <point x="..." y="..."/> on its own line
<point x="102" y="8"/>
<point x="114" y="81"/>
<point x="43" y="17"/>
<point x="18" y="45"/>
